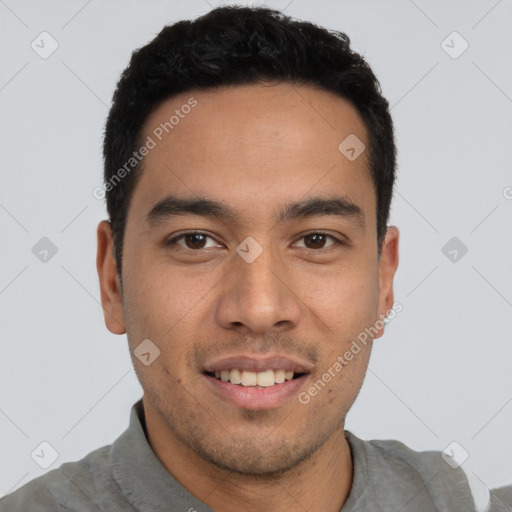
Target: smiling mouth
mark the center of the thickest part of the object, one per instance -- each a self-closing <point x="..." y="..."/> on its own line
<point x="264" y="379"/>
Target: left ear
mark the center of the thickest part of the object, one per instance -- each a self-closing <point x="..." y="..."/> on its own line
<point x="387" y="268"/>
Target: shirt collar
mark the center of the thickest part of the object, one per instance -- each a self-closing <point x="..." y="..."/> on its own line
<point x="143" y="479"/>
<point x="362" y="486"/>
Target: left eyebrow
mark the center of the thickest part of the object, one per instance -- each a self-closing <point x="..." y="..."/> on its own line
<point x="172" y="206"/>
<point x="339" y="206"/>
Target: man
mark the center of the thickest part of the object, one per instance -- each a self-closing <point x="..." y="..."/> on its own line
<point x="249" y="171"/>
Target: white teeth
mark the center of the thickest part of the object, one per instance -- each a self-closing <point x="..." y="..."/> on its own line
<point x="279" y="376"/>
<point x="249" y="378"/>
<point x="263" y="379"/>
<point x="235" y="376"/>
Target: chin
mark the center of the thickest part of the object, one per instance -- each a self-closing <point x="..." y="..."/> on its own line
<point x="264" y="460"/>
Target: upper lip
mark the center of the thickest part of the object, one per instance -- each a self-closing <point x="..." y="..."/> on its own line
<point x="255" y="363"/>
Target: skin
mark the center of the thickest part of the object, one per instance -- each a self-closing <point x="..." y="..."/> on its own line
<point x="256" y="147"/>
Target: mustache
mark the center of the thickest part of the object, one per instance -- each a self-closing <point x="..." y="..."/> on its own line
<point x="249" y="344"/>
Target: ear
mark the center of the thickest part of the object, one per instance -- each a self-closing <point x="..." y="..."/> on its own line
<point x="387" y="268"/>
<point x="110" y="285"/>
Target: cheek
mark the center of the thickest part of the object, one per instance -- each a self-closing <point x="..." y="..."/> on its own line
<point x="167" y="308"/>
<point x="160" y="298"/>
<point x="156" y="312"/>
<point x="333" y="390"/>
<point x="345" y="300"/>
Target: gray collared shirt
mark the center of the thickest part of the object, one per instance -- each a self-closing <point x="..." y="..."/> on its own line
<point x="127" y="476"/>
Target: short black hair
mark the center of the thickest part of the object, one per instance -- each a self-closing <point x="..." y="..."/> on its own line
<point x="237" y="45"/>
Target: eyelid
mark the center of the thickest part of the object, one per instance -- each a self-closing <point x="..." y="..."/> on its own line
<point x="337" y="241"/>
<point x="178" y="236"/>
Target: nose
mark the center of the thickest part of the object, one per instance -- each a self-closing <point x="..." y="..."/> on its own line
<point x="259" y="297"/>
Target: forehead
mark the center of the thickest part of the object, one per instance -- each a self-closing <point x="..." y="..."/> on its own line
<point x="254" y="146"/>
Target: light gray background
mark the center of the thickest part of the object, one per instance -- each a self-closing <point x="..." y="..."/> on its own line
<point x="441" y="373"/>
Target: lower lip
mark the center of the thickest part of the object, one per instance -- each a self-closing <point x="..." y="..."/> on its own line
<point x="254" y="398"/>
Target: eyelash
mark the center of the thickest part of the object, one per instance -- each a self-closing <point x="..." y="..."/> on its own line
<point x="179" y="236"/>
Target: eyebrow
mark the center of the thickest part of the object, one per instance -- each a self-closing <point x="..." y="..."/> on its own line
<point x="174" y="206"/>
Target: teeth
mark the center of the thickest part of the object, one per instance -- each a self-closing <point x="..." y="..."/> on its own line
<point x="279" y="376"/>
<point x="249" y="378"/>
<point x="235" y="376"/>
<point x="263" y="379"/>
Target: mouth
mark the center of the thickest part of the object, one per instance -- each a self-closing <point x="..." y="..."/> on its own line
<point x="261" y="379"/>
<point x="252" y="383"/>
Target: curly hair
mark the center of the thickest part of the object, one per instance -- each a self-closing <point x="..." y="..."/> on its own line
<point x="235" y="46"/>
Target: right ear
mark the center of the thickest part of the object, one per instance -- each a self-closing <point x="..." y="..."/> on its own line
<point x="110" y="284"/>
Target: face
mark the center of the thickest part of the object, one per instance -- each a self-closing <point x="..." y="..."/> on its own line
<point x="259" y="281"/>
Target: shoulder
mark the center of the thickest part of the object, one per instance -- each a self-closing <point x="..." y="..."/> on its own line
<point x="418" y="480"/>
<point x="79" y="485"/>
<point x="396" y="456"/>
<point x="501" y="499"/>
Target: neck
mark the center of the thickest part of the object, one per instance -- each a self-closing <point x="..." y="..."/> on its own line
<point x="319" y="484"/>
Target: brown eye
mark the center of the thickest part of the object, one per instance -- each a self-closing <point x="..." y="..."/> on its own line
<point x="318" y="240"/>
<point x="193" y="241"/>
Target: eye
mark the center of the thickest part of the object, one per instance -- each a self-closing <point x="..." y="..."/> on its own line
<point x="197" y="240"/>
<point x="194" y="240"/>
<point x="316" y="240"/>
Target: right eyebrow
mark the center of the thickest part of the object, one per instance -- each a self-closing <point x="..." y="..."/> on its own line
<point x="173" y="205"/>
